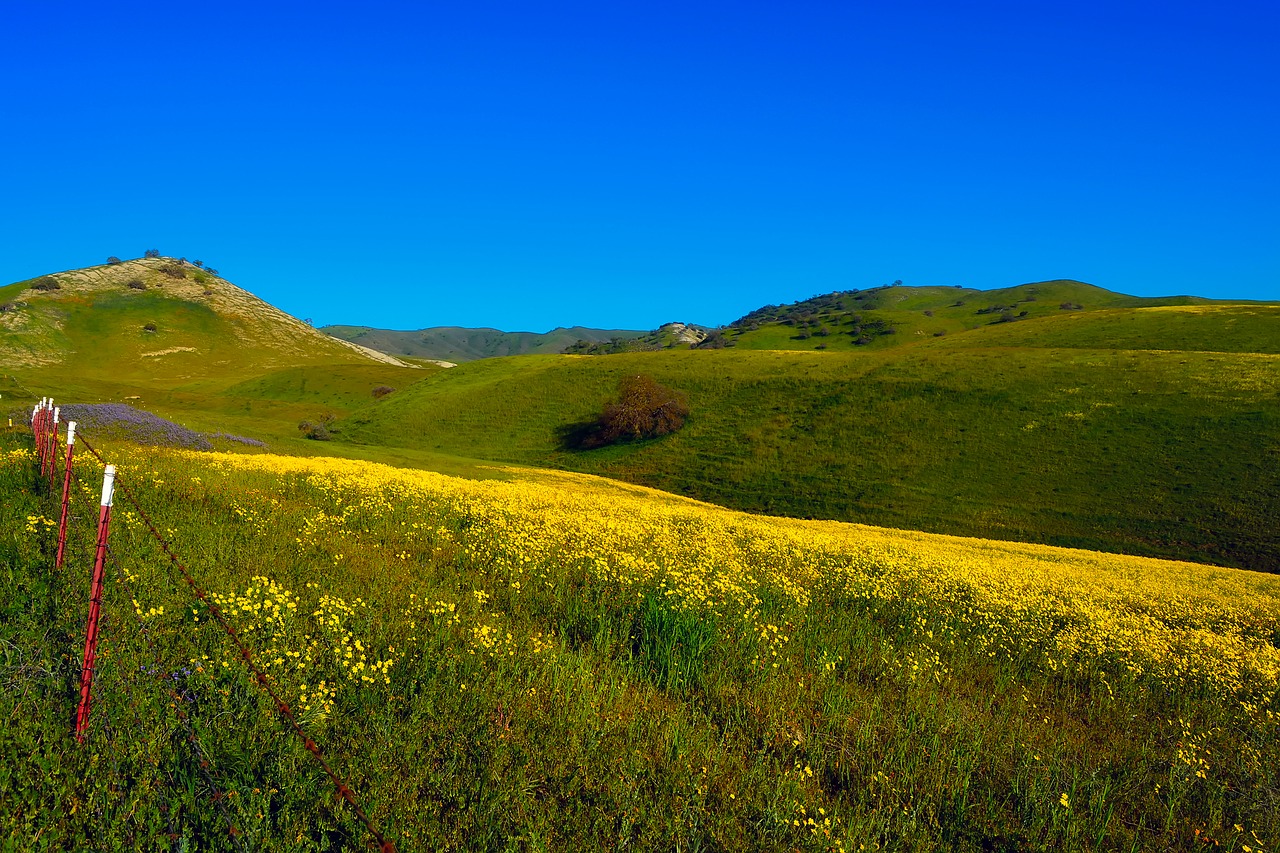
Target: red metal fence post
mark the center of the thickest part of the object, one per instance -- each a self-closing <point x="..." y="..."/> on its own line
<point x="52" y="457"/>
<point x="37" y="416"/>
<point x="95" y="604"/>
<point x="66" y="494"/>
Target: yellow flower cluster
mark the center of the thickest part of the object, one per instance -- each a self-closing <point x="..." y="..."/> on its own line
<point x="287" y="645"/>
<point x="17" y="457"/>
<point x="38" y="524"/>
<point x="1083" y="613"/>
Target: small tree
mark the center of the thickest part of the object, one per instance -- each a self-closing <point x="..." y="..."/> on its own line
<point x="113" y="260"/>
<point x="382" y="391"/>
<point x="644" y="409"/>
<point x="318" y="431"/>
<point x="151" y="253"/>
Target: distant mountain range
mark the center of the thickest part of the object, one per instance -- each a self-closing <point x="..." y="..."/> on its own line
<point x="458" y="345"/>
<point x="879" y="317"/>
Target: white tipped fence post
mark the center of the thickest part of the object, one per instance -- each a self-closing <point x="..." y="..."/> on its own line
<point x="36" y="414"/>
<point x="95" y="603"/>
<point x="66" y="494"/>
<point x="45" y="413"/>
<point x="51" y="458"/>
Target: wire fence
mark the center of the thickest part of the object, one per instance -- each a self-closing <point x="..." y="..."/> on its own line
<point x="45" y="422"/>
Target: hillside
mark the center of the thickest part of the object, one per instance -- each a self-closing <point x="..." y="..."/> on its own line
<point x="176" y="339"/>
<point x="894" y="315"/>
<point x="600" y="667"/>
<point x="457" y="345"/>
<point x="1142" y="426"/>
<point x="1028" y="430"/>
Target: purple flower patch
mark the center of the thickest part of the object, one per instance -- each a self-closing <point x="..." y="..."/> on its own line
<point x="116" y="420"/>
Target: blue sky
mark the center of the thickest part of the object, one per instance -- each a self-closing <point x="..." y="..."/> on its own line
<point x="620" y="165"/>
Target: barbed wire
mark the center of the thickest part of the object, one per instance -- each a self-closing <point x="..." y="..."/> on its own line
<point x="201" y="753"/>
<point x="344" y="790"/>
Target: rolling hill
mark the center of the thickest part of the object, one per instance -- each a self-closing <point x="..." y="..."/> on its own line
<point x="188" y="344"/>
<point x="456" y="344"/>
<point x="1166" y="444"/>
<point x="894" y="315"/>
<point x="1055" y="412"/>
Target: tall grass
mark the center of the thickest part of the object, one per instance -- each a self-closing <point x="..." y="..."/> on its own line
<point x="555" y="662"/>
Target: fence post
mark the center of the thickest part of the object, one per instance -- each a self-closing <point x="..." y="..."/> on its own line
<point x="51" y="458"/>
<point x="42" y="432"/>
<point x="66" y="494"/>
<point x="36" y="415"/>
<point x="95" y="604"/>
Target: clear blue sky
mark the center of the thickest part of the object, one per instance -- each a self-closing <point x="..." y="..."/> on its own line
<point x="623" y="164"/>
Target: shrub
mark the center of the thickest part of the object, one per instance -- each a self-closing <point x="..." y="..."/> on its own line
<point x="1071" y="306"/>
<point x="317" y="431"/>
<point x="643" y="409"/>
<point x="136" y="284"/>
<point x="382" y="391"/>
<point x="46" y="283"/>
<point x="113" y="260"/>
<point x="211" y="271"/>
<point x="173" y="271"/>
<point x="150" y="327"/>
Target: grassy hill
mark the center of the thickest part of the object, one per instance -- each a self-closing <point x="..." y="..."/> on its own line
<point x="1166" y="445"/>
<point x="456" y="344"/>
<point x="180" y="341"/>
<point x="1116" y="423"/>
<point x="893" y="316"/>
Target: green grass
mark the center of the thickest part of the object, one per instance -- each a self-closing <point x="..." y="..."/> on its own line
<point x="1158" y="453"/>
<point x="916" y="313"/>
<point x="640" y="725"/>
<point x="1145" y="426"/>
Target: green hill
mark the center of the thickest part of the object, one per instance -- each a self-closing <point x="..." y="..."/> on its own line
<point x="177" y="340"/>
<point x="455" y="344"/>
<point x="1165" y="445"/>
<point x="1055" y="412"/>
<point x="895" y="315"/>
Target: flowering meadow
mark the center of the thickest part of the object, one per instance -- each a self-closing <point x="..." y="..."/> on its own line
<point x="551" y="661"/>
